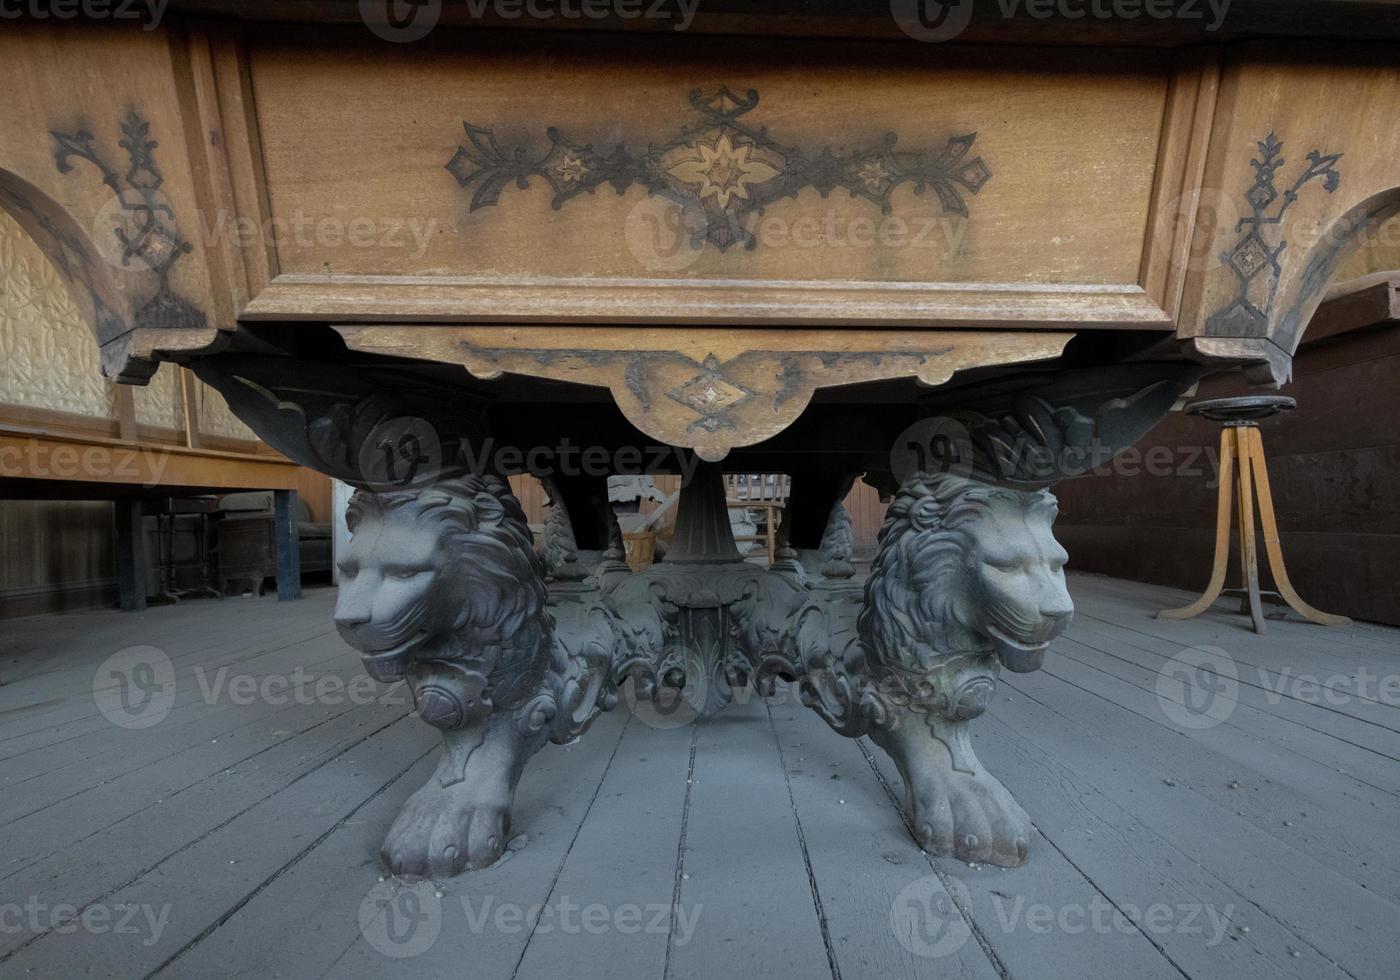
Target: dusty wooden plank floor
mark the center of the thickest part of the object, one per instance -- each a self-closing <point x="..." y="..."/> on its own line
<point x="1247" y="825"/>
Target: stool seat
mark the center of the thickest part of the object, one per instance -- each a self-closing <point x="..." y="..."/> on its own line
<point x="1246" y="408"/>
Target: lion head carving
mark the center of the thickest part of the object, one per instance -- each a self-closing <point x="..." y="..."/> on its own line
<point x="445" y="575"/>
<point x="966" y="571"/>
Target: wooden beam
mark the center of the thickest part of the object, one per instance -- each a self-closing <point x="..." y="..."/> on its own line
<point x="126" y="413"/>
<point x="189" y="401"/>
<point x="131" y="554"/>
<point x="36" y="455"/>
<point x="1355" y="305"/>
<point x="288" y="545"/>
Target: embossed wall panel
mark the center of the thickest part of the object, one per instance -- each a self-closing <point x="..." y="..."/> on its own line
<point x="215" y="418"/>
<point x="158" y="403"/>
<point x="46" y="347"/>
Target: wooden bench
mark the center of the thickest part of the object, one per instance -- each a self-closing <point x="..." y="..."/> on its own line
<point x="43" y="465"/>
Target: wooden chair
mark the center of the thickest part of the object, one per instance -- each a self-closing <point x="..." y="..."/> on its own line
<point x="1242" y="466"/>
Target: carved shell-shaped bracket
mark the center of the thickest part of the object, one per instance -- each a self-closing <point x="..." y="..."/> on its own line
<point x="702" y="388"/>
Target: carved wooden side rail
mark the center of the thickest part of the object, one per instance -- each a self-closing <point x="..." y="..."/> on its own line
<point x="202" y="182"/>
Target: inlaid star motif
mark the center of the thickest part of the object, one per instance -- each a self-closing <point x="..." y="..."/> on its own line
<point x="719" y="169"/>
<point x="723" y="170"/>
<point x="572" y="170"/>
<point x="873" y="174"/>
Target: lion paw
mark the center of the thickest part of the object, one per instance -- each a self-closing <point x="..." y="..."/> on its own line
<point x="443" y="831"/>
<point x="971" y="817"/>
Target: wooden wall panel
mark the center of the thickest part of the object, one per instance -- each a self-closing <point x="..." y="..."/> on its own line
<point x="531" y="495"/>
<point x="57" y="555"/>
<point x="49" y="357"/>
<point x="315" y="489"/>
<point x="867" y="516"/>
<point x="1334" y="465"/>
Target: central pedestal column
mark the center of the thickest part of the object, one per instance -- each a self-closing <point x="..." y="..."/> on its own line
<point x="703" y="533"/>
<point x="693" y="592"/>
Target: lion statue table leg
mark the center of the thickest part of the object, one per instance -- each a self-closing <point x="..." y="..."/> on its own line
<point x="968" y="579"/>
<point x="441" y="587"/>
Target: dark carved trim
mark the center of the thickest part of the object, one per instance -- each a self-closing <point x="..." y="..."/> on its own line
<point x="721" y="170"/>
<point x="1059" y="427"/>
<point x="156" y="241"/>
<point x="383" y="430"/>
<point x="1253" y="255"/>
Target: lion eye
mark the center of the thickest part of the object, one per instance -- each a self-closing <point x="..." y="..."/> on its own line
<point x="404" y="574"/>
<point x="1006" y="566"/>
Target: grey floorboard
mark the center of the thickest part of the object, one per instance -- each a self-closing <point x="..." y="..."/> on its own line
<point x="622" y="869"/>
<point x="743" y="863"/>
<point x="883" y="906"/>
<point x="779" y="843"/>
<point x="1278" y="793"/>
<point x="1327" y="915"/>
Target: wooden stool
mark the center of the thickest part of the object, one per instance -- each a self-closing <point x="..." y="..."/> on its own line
<point x="1239" y="440"/>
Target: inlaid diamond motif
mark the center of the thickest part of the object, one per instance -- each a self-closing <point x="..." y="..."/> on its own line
<point x="710" y="393"/>
<point x="1249" y="257"/>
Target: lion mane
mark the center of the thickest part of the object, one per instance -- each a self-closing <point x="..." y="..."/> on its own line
<point x="497" y="579"/>
<point x="918" y="599"/>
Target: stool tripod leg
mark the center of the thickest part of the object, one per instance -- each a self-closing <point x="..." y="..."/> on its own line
<point x="1222" y="536"/>
<point x="1249" y="553"/>
<point x="1254" y="454"/>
